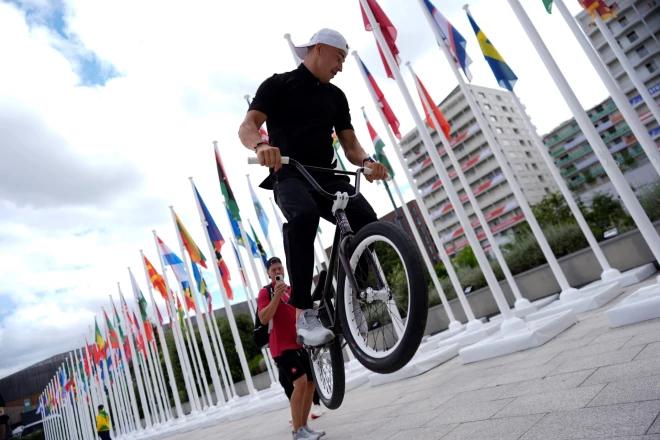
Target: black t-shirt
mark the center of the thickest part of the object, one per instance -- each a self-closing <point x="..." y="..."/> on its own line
<point x="301" y="114"/>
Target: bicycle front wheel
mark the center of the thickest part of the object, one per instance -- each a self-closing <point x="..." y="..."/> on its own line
<point x="329" y="375"/>
<point x="384" y="318"/>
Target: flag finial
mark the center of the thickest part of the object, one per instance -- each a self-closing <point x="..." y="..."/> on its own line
<point x="354" y="52"/>
<point x="407" y="63"/>
<point x="246" y="96"/>
<point x="287" y="36"/>
<point x="215" y="143"/>
<point x="466" y="7"/>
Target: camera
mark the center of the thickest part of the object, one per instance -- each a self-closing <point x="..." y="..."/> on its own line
<point x="278" y="278"/>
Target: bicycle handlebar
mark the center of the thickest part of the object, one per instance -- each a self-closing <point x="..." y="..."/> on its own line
<point x="302" y="169"/>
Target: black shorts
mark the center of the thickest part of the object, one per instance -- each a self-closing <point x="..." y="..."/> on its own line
<point x="295" y="363"/>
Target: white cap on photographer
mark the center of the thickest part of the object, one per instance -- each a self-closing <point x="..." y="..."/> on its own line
<point x="325" y="36"/>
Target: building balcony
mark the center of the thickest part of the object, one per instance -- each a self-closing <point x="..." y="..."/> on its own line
<point x="581" y="152"/>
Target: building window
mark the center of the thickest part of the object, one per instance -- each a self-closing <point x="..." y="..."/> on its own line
<point x="499" y="130"/>
<point x="527" y="166"/>
<point x="493" y="119"/>
<point x="522" y="142"/>
<point x="547" y="190"/>
<point x="499" y="98"/>
<point x="652" y="66"/>
<point x="510" y="120"/>
<point x="534" y="166"/>
<point x="419" y="222"/>
<point x="623" y="21"/>
<point x="426" y="240"/>
<point x="504" y="109"/>
<point x="516" y="131"/>
<point x="632" y="37"/>
<point x="541" y="178"/>
<point x="528" y="154"/>
<point x="482" y="95"/>
<point x="486" y="106"/>
<point x="642" y="51"/>
<point x="412" y="208"/>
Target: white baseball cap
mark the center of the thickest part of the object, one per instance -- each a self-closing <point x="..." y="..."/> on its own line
<point x="325" y="36"/>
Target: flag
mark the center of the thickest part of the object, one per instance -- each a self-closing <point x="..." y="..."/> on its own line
<point x="202" y="287"/>
<point x="382" y="102"/>
<point x="181" y="313"/>
<point x="453" y="39"/>
<point x="114" y="337"/>
<point x="156" y="279"/>
<point x="239" y="237"/>
<point x="217" y="240"/>
<point x="293" y="50"/>
<point x="446" y="129"/>
<point x="240" y="266"/>
<point x="138" y="337"/>
<point x="160" y="317"/>
<point x="99" y="339"/>
<point x="277" y="217"/>
<point x="598" y="6"/>
<point x="388" y="30"/>
<point x="142" y="304"/>
<point x="195" y="253"/>
<point x="336" y="145"/>
<point x="548" y="5"/>
<point x="262" y="252"/>
<point x="378" y="146"/>
<point x="230" y="200"/>
<point x="262" y="130"/>
<point x="503" y="73"/>
<point x="172" y="259"/>
<point x="261" y="213"/>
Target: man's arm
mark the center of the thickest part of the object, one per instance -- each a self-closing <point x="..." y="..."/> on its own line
<point x="248" y="132"/>
<point x="356" y="155"/>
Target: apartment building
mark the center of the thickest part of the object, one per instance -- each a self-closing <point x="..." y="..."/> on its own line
<point x="482" y="171"/>
<point x="637" y="29"/>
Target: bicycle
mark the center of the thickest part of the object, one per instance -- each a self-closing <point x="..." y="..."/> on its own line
<point x="359" y="293"/>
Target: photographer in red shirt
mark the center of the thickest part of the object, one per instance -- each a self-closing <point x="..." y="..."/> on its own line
<point x="290" y="356"/>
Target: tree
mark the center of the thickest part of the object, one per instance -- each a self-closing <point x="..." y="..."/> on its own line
<point x="465" y="258"/>
<point x="605" y="213"/>
<point x="553" y="210"/>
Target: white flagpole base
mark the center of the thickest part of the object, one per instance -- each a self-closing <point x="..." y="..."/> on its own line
<point x="536" y="305"/>
<point x="469" y="337"/>
<point x="445" y="334"/>
<point x="533" y="334"/>
<point x="455" y="326"/>
<point x="419" y="364"/>
<point x="570" y="294"/>
<point x="627" y="278"/>
<point x="588" y="300"/>
<point x="475" y="324"/>
<point x="642" y="305"/>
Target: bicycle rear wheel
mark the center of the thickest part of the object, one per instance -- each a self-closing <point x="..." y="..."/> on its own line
<point x="384" y="321"/>
<point x="328" y="370"/>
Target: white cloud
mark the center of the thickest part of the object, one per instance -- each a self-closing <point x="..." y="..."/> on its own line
<point x="87" y="172"/>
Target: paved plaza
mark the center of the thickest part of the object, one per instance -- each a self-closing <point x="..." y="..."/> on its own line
<point x="589" y="382"/>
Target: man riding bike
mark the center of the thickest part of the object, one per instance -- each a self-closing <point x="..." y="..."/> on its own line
<point x="301" y="108"/>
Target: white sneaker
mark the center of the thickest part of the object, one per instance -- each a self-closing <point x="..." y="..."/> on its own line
<point x="319" y="434"/>
<point x="317" y="411"/>
<point x="310" y="330"/>
<point x="302" y="434"/>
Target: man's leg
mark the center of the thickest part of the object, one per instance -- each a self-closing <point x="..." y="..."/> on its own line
<point x="307" y="401"/>
<point x="285" y="382"/>
<point x="297" y="402"/>
<point x="293" y="196"/>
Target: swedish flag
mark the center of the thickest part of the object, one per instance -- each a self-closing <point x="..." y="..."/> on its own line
<point x="503" y="73"/>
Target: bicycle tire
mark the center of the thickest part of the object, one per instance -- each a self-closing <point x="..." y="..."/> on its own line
<point x="332" y="399"/>
<point x="417" y="300"/>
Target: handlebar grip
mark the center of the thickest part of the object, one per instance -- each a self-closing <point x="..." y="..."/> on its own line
<point x="366" y="171"/>
<point x="255" y="160"/>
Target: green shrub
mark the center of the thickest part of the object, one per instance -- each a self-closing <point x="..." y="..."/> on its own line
<point x="650" y="200"/>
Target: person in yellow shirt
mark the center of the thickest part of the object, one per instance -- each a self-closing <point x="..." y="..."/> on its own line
<point x="103" y="424"/>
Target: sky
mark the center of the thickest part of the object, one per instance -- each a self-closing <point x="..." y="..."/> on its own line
<point x="106" y="109"/>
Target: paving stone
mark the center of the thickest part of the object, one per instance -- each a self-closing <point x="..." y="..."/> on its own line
<point x="468" y="412"/>
<point x="592" y="349"/>
<point x="649" y="351"/>
<point x="597" y="360"/>
<point x="643" y="339"/>
<point x="549" y="384"/>
<point x="630" y="330"/>
<point x="521" y="375"/>
<point x="402" y="422"/>
<point x="509" y="428"/>
<point x="630" y="370"/>
<point x="655" y="428"/>
<point x="633" y="390"/>
<point x="482" y="395"/>
<point x="432" y="433"/>
<point x="628" y="419"/>
<point x="551" y="402"/>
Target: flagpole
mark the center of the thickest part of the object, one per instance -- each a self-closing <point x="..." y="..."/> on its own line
<point x="222" y="357"/>
<point x="196" y="360"/>
<point x="453" y="323"/>
<point x="89" y="382"/>
<point x="621" y="101"/>
<point x="80" y="388"/>
<point x="72" y="400"/>
<point x="296" y="60"/>
<point x="82" y="422"/>
<point x="161" y="381"/>
<point x="149" y="367"/>
<point x="99" y="380"/>
<point x="158" y="394"/>
<point x="473" y="323"/>
<point x="248" y="288"/>
<point x="521" y="303"/>
<point x="119" y="392"/>
<point x="191" y="388"/>
<point x="136" y="367"/>
<point x="118" y="430"/>
<point x="225" y="300"/>
<point x="217" y="386"/>
<point x="166" y="355"/>
<point x="617" y="178"/>
<point x="147" y="386"/>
